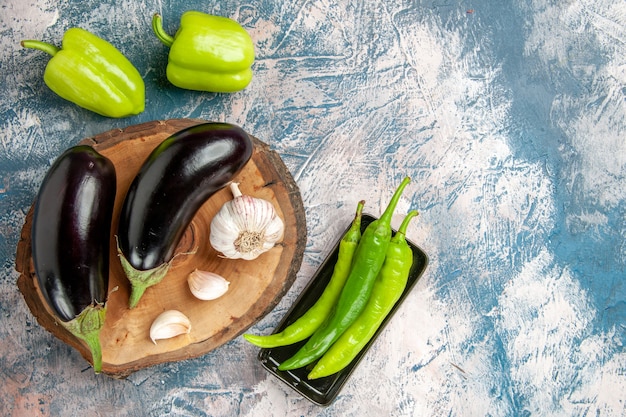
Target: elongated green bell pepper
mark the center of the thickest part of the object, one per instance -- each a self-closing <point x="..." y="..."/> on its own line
<point x="208" y="53"/>
<point x="93" y="74"/>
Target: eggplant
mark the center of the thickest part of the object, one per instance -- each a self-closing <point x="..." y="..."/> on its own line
<point x="180" y="174"/>
<point x="70" y="238"/>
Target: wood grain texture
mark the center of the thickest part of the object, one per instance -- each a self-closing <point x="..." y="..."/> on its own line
<point x="255" y="286"/>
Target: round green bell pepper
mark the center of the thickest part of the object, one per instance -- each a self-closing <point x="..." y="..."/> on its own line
<point x="93" y="74"/>
<point x="208" y="53"/>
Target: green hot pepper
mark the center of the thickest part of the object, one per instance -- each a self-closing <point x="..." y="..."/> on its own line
<point x="387" y="290"/>
<point x="208" y="53"/>
<point x="368" y="260"/>
<point x="92" y="73"/>
<point x="311" y="320"/>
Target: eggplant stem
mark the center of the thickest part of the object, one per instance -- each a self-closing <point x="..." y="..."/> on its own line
<point x="86" y="326"/>
<point x="140" y="281"/>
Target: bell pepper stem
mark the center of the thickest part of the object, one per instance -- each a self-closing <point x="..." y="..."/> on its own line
<point x="157" y="28"/>
<point x="42" y="46"/>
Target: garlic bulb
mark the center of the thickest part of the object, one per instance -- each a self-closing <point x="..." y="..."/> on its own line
<point x="245" y="227"/>
<point x="169" y="324"/>
<point x="207" y="285"/>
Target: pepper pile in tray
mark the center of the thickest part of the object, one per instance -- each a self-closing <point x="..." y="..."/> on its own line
<point x="368" y="279"/>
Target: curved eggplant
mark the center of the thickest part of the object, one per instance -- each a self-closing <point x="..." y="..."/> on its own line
<point x="70" y="241"/>
<point x="175" y="180"/>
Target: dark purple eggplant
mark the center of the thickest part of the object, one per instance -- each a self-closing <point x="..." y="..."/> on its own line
<point x="183" y="172"/>
<point x="70" y="241"/>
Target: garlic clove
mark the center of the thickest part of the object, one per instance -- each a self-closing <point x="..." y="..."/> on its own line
<point x="170" y="323"/>
<point x="245" y="227"/>
<point x="206" y="285"/>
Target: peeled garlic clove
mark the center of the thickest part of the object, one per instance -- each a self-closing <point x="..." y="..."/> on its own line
<point x="245" y="227"/>
<point x="169" y="324"/>
<point x="207" y="285"/>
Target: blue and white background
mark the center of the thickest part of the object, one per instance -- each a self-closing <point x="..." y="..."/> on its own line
<point x="509" y="116"/>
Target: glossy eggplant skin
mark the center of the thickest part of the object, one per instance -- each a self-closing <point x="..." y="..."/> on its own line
<point x="71" y="231"/>
<point x="175" y="180"/>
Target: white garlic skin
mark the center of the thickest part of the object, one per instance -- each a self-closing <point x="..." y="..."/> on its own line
<point x="170" y="323"/>
<point x="206" y="285"/>
<point x="245" y="227"/>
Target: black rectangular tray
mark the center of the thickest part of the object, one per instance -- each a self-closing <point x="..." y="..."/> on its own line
<point x="323" y="391"/>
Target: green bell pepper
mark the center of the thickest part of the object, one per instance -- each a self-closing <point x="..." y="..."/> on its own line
<point x="93" y="74"/>
<point x="208" y="53"/>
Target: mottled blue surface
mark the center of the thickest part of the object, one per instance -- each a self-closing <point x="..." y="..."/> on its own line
<point x="509" y="116"/>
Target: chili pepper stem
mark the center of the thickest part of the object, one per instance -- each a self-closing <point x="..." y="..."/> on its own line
<point x="42" y="46"/>
<point x="385" y="218"/>
<point x="86" y="326"/>
<point x="157" y="28"/>
<point x="401" y="233"/>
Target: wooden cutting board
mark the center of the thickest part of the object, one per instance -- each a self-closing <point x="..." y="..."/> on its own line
<point x="255" y="286"/>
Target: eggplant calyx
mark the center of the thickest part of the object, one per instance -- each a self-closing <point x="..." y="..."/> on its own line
<point x="141" y="280"/>
<point x="86" y="326"/>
